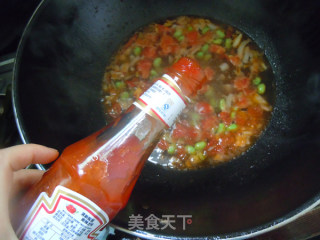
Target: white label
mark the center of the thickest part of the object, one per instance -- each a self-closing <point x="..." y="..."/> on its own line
<point x="66" y="215"/>
<point x="163" y="100"/>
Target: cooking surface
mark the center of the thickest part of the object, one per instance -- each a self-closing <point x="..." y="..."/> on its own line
<point x="301" y="229"/>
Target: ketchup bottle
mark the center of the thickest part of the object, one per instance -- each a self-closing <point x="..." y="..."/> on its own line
<point x="92" y="179"/>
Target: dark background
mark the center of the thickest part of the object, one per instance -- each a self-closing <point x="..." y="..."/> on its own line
<point x="14" y="15"/>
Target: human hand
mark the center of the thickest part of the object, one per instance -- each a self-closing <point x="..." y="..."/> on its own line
<point x="14" y="178"/>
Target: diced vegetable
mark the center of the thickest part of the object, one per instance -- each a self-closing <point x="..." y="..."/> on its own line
<point x="220" y="33"/>
<point x="217" y="41"/>
<point x="222" y="104"/>
<point x="261" y="88"/>
<point x="221" y="128"/>
<point x="200" y="145"/>
<point x="171" y="149"/>
<point x="232" y="127"/>
<point x="177" y="33"/>
<point x="180" y="38"/>
<point x="233" y="115"/>
<point x="157" y="62"/>
<point x="205" y="47"/>
<point x="200" y="54"/>
<point x="153" y="73"/>
<point x="190" y="149"/>
<point x="137" y="51"/>
<point x="256" y="81"/>
<point x="124" y="95"/>
<point x="228" y="43"/>
<point x="120" y="84"/>
<point x="205" y="30"/>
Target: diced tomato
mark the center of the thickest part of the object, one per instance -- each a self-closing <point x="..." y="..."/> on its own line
<point x="149" y="52"/>
<point x="242" y="102"/>
<point x="235" y="60"/>
<point x="217" y="49"/>
<point x="192" y="37"/>
<point x="226" y="140"/>
<point x="241" y="83"/>
<point x="209" y="122"/>
<point x="168" y="44"/>
<point x="163" y="29"/>
<point x="241" y="118"/>
<point x="152" y="37"/>
<point x="163" y="144"/>
<point x="179" y="131"/>
<point x="213" y="147"/>
<point x="189" y="68"/>
<point x="225" y="117"/>
<point x="184" y="132"/>
<point x="206" y="37"/>
<point x="144" y="67"/>
<point x="255" y="111"/>
<point x="209" y="73"/>
<point x="203" y="108"/>
<point x="132" y="82"/>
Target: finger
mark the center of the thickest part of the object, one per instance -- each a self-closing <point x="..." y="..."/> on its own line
<point x="24" y="179"/>
<point x="21" y="156"/>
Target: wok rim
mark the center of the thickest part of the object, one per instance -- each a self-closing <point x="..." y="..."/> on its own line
<point x="248" y="233"/>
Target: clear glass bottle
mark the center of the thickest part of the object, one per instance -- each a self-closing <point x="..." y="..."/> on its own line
<point x="92" y="179"/>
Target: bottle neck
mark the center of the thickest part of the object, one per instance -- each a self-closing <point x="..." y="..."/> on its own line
<point x="164" y="100"/>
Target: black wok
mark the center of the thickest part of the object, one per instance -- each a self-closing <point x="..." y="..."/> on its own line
<point x="56" y="95"/>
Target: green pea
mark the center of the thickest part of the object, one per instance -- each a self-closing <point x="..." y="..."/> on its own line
<point x="171" y="149"/>
<point x="217" y="41"/>
<point x="205" y="47"/>
<point x="190" y="149"/>
<point x="228" y="43"/>
<point x="177" y="33"/>
<point x="137" y="51"/>
<point x="233" y="115"/>
<point x="200" y="145"/>
<point x="157" y="62"/>
<point x="256" y="81"/>
<point x="220" y="34"/>
<point x="232" y="127"/>
<point x="153" y="73"/>
<point x="124" y="95"/>
<point x="181" y="38"/>
<point x="205" y="30"/>
<point x="120" y="84"/>
<point x="222" y="104"/>
<point x="221" y="128"/>
<point x="207" y="57"/>
<point x="199" y="55"/>
<point x="261" y="88"/>
<point x="190" y="28"/>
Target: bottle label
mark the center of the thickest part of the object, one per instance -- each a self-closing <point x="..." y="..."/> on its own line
<point x="65" y="215"/>
<point x="163" y="100"/>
